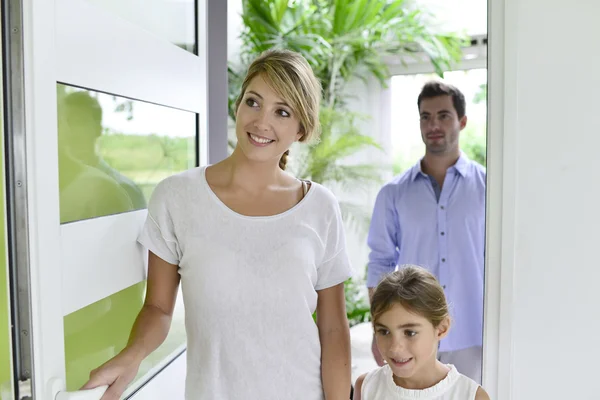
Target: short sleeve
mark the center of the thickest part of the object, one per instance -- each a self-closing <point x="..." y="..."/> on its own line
<point x="158" y="233"/>
<point x="336" y="267"/>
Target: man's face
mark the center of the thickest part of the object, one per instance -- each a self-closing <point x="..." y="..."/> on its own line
<point x="440" y="125"/>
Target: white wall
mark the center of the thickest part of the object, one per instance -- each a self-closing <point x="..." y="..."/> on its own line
<point x="553" y="131"/>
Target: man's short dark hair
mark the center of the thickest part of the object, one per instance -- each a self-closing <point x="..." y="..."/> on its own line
<point x="436" y="88"/>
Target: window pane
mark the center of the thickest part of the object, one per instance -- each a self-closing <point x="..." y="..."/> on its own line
<point x="98" y="332"/>
<point x="113" y="151"/>
<point x="172" y="20"/>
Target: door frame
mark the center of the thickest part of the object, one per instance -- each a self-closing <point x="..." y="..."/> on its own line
<point x="37" y="63"/>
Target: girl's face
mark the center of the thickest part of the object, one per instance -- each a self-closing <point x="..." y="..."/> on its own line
<point x="265" y="124"/>
<point x="407" y="341"/>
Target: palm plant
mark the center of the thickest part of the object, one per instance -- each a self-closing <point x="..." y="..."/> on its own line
<point x="343" y="39"/>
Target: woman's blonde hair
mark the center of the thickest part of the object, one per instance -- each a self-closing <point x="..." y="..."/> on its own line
<point x="416" y="289"/>
<point x="291" y="77"/>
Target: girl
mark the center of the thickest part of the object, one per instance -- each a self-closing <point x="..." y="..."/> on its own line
<point x="410" y="317"/>
<point x="257" y="252"/>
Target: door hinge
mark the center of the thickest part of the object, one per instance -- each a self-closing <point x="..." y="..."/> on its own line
<point x="25" y="389"/>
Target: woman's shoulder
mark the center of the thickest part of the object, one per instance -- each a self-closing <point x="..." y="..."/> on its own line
<point x="323" y="195"/>
<point x="179" y="186"/>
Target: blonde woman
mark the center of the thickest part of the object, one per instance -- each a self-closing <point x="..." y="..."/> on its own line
<point x="257" y="252"/>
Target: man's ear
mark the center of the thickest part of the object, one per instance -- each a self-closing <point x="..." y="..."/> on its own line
<point x="443" y="328"/>
<point x="463" y="122"/>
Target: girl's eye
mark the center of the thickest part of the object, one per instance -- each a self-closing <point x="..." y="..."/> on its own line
<point x="283" y="113"/>
<point x="410" y="333"/>
<point x="383" y="332"/>
<point x="250" y="102"/>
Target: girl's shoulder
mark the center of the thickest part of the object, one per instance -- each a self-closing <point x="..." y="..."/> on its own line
<point x="368" y="384"/>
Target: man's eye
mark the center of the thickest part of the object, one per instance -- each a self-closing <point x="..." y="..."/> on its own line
<point x="410" y="333"/>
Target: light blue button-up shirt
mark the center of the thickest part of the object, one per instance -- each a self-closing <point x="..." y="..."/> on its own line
<point x="443" y="232"/>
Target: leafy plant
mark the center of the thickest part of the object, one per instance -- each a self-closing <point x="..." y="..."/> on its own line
<point x="343" y="39"/>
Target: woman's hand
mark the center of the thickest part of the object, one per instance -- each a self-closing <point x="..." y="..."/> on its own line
<point x="117" y="373"/>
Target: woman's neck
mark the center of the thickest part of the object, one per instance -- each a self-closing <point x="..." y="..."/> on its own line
<point x="239" y="171"/>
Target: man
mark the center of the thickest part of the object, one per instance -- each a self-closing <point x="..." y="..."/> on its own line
<point x="433" y="215"/>
<point x="83" y="120"/>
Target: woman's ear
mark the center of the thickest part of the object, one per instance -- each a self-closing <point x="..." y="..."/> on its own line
<point x="443" y="328"/>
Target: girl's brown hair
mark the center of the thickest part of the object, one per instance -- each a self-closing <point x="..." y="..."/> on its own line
<point x="291" y="77"/>
<point x="416" y="289"/>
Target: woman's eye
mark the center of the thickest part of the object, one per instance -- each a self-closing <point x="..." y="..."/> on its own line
<point x="383" y="332"/>
<point x="251" y="103"/>
<point x="283" y="113"/>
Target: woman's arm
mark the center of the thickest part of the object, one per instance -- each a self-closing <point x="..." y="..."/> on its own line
<point x="334" y="334"/>
<point x="149" y="330"/>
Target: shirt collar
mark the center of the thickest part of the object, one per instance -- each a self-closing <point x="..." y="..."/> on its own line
<point x="461" y="165"/>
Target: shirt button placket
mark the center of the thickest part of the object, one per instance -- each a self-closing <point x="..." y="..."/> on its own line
<point x="442" y="240"/>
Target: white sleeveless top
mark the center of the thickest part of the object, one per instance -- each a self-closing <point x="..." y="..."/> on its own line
<point x="379" y="385"/>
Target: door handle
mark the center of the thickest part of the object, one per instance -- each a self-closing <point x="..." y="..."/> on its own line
<point x="89" y="394"/>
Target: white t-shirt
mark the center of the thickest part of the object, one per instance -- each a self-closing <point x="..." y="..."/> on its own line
<point x="379" y="385"/>
<point x="249" y="287"/>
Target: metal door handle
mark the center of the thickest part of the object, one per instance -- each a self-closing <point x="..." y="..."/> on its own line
<point x="90" y="394"/>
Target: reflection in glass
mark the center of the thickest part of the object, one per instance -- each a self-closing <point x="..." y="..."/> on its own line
<point x="113" y="151"/>
<point x="174" y="21"/>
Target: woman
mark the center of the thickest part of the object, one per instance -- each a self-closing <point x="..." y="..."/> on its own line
<point x="257" y="251"/>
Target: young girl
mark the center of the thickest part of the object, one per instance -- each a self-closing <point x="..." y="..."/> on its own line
<point x="410" y="317"/>
<point x="257" y="252"/>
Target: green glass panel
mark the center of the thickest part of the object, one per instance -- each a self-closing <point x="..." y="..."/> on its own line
<point x="98" y="332"/>
<point x="113" y="151"/>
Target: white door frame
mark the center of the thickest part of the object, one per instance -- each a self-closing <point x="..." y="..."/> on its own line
<point x="61" y="44"/>
<point x="501" y="210"/>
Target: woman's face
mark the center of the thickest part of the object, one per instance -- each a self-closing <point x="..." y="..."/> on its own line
<point x="266" y="125"/>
